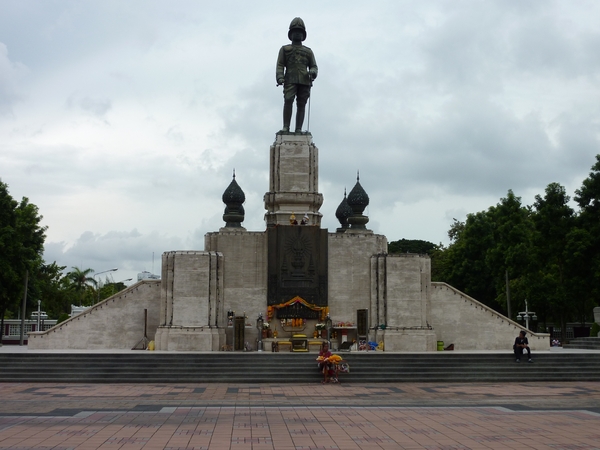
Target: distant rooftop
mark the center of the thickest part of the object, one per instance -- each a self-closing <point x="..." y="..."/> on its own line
<point x="145" y="275"/>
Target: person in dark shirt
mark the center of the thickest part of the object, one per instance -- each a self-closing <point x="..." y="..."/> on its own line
<point x="521" y="344"/>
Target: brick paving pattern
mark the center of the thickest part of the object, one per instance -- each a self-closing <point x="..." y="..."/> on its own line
<point x="557" y="416"/>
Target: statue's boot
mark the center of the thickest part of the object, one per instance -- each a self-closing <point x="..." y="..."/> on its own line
<point x="287" y="115"/>
<point x="300" y="118"/>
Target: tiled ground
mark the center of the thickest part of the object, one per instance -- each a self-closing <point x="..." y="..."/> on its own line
<point x="558" y="416"/>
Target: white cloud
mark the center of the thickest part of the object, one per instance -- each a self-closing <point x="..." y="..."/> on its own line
<point x="10" y="75"/>
<point x="443" y="107"/>
<point x="94" y="106"/>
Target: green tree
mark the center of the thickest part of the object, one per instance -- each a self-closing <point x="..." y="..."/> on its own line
<point x="411" y="246"/>
<point x="441" y="257"/>
<point x="550" y="251"/>
<point x="110" y="288"/>
<point x="466" y="266"/>
<point x="484" y="247"/>
<point x="21" y="246"/>
<point x="588" y="222"/>
<point x="83" y="285"/>
<point x="52" y="288"/>
<point x="10" y="279"/>
<point x="551" y="276"/>
<point x="511" y="251"/>
<point x="435" y="252"/>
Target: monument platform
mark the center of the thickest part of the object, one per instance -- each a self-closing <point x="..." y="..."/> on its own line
<point x="293" y="180"/>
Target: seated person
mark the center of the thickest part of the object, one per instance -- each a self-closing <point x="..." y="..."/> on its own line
<point x="325" y="366"/>
<point x="521" y="343"/>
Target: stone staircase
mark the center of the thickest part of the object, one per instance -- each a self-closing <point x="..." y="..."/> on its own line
<point x="585" y="343"/>
<point x="230" y="367"/>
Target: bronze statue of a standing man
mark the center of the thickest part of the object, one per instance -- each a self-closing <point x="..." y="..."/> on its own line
<point x="296" y="70"/>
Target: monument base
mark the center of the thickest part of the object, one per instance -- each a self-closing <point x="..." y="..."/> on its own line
<point x="198" y="339"/>
<point x="408" y="340"/>
<point x="293" y="181"/>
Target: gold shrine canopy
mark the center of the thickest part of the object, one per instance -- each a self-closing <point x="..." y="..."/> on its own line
<point x="297" y="300"/>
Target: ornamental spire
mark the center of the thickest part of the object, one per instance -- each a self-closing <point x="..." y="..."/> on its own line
<point x="358" y="200"/>
<point x="233" y="197"/>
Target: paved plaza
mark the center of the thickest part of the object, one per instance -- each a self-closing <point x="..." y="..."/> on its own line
<point x="434" y="416"/>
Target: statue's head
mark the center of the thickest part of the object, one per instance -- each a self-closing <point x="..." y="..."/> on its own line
<point x="297" y="25"/>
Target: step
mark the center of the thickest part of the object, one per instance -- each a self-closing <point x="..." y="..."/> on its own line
<point x="147" y="367"/>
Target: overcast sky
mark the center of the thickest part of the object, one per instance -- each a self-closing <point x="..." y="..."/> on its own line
<point x="123" y="120"/>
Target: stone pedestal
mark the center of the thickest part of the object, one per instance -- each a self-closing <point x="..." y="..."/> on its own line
<point x="401" y="293"/>
<point x="293" y="180"/>
<point x="191" y="304"/>
<point x="597" y="314"/>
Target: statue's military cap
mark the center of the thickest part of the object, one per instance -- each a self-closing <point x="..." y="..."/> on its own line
<point x="297" y="24"/>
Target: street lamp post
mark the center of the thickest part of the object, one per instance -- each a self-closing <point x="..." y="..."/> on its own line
<point x="526" y="315"/>
<point x="100" y="273"/>
<point x="38" y="315"/>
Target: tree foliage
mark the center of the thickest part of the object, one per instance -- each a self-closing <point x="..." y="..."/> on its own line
<point x="588" y="199"/>
<point x="82" y="284"/>
<point x="486" y="246"/>
<point x="550" y="252"/>
<point x="21" y="245"/>
<point x="436" y="252"/>
<point x="52" y="289"/>
<point x="411" y="246"/>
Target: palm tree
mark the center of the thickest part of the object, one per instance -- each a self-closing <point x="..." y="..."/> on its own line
<point x="81" y="281"/>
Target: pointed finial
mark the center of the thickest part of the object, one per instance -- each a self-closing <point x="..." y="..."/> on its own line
<point x="357" y="175"/>
<point x="234" y="173"/>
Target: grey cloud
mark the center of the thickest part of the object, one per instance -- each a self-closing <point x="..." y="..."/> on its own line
<point x="428" y="100"/>
<point x="10" y="74"/>
<point x="546" y="46"/>
<point x="577" y="142"/>
<point x="95" y="106"/>
<point x="174" y="135"/>
<point x="130" y="251"/>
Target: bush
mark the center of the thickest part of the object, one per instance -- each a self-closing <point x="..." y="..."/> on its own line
<point x="62" y="318"/>
<point x="595" y="329"/>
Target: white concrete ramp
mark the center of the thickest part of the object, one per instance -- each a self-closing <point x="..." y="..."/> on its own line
<point x="114" y="323"/>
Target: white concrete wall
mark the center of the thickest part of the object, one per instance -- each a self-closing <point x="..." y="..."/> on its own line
<point x="191" y="301"/>
<point x="244" y="270"/>
<point x="407" y="290"/>
<point x="406" y="302"/>
<point x="350" y="274"/>
<point x="114" y="323"/>
<point x="470" y="325"/>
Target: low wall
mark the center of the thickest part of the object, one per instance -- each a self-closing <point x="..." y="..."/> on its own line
<point x="470" y="325"/>
<point x="114" y="323"/>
